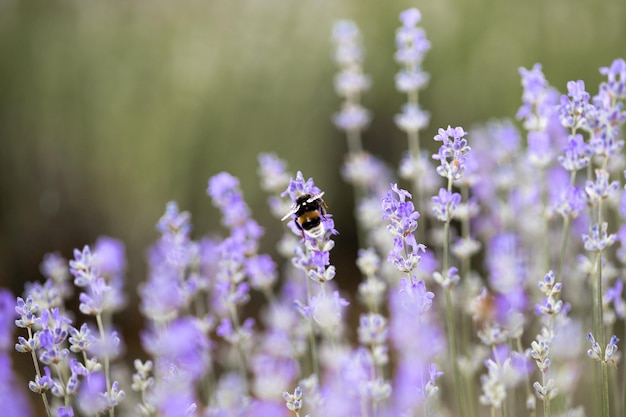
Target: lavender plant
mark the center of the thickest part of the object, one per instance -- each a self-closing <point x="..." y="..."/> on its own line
<point x="434" y="329"/>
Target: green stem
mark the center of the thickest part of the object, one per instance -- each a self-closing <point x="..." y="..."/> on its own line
<point x="107" y="373"/>
<point x="453" y="351"/>
<point x="38" y="371"/>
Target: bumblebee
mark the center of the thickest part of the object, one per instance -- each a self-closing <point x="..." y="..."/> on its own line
<point x="309" y="210"/>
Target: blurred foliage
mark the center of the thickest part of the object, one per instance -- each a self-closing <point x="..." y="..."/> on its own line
<point x="110" y="109"/>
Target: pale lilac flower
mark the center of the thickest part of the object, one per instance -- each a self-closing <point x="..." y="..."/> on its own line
<point x="55" y="268"/>
<point x="536" y="109"/>
<point x="576" y="155"/>
<point x="600" y="189"/>
<point x="614" y="294"/>
<point x="182" y="345"/>
<point x="445" y="204"/>
<point x="352" y="117"/>
<point x="575" y="106"/>
<point x="261" y="271"/>
<point x="82" y="267"/>
<point x="327" y="310"/>
<point x="598" y="240"/>
<point x="272" y="172"/>
<point x="616" y="78"/>
<point x="412" y="119"/>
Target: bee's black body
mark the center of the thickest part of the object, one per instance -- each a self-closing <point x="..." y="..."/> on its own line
<point x="309" y="210"/>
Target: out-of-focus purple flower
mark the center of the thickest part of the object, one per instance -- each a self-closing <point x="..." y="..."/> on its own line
<point x="570" y="202"/>
<point x="261" y="271"/>
<point x="535" y="110"/>
<point x="616" y="78"/>
<point x="540" y="152"/>
<point x="327" y="309"/>
<point x="506" y="265"/>
<point x="272" y="172"/>
<point x="410" y="306"/>
<point x="598" y="240"/>
<point x="182" y="344"/>
<point x="600" y="189"/>
<point x="230" y="397"/>
<point x="408" y="81"/>
<point x="226" y="195"/>
<point x="412" y="119"/>
<point x="450" y="279"/>
<point x="445" y="204"/>
<point x="614" y="294"/>
<point x="12" y="396"/>
<point x="348" y="50"/>
<point x="272" y="375"/>
<point x="93" y="301"/>
<point x="352" y="117"/>
<point x="351" y="82"/>
<point x="109" y="256"/>
<point x="365" y="170"/>
<point x="577" y="154"/>
<point x="82" y="267"/>
<point x="452" y="154"/>
<point x="55" y="268"/>
<point x="65" y="411"/>
<point x="574" y="106"/>
<point x="161" y="298"/>
<point x="7" y="319"/>
<point x="47" y="295"/>
<point x="111" y="346"/>
<point x="414" y="297"/>
<point x="411" y="40"/>
<point x="92" y="397"/>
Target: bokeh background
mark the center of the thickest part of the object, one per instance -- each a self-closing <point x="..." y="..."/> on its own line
<point x="108" y="110"/>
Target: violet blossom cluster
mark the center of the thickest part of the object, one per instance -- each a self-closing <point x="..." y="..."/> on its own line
<point x="446" y="319"/>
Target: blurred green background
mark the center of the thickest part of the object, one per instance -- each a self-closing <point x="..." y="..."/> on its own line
<point x="110" y="109"/>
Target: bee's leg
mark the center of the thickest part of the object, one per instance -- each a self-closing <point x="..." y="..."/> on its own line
<point x="299" y="227"/>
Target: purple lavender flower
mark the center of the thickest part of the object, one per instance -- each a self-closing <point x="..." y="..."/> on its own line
<point x="598" y="240"/>
<point x="575" y="106"/>
<point x="272" y="171"/>
<point x="226" y="195"/>
<point x="82" y="267"/>
<point x="412" y="118"/>
<point x="400" y="211"/>
<point x="534" y="110"/>
<point x="365" y="170"/>
<point x="346" y="36"/>
<point x="299" y="187"/>
<point x="261" y="271"/>
<point x="410" y="40"/>
<point x="92" y="398"/>
<point x="352" y="117"/>
<point x="616" y="74"/>
<point x="614" y="294"/>
<point x="445" y="204"/>
<point x="109" y="256"/>
<point x="600" y="189"/>
<point x="452" y="154"/>
<point x="54" y="268"/>
<point x="65" y="411"/>
<point x="577" y="154"/>
<point x="327" y="310"/>
<point x="182" y="345"/>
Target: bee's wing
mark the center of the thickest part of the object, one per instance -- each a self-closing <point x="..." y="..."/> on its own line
<point x="315" y="197"/>
<point x="291" y="211"/>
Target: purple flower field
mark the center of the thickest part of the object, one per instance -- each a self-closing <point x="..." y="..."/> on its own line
<point x="492" y="273"/>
